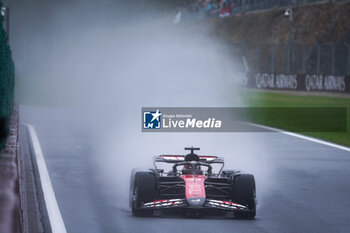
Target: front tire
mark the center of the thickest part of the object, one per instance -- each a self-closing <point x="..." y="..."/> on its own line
<point x="244" y="193"/>
<point x="143" y="191"/>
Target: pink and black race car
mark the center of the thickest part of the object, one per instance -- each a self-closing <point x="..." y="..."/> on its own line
<point x="192" y="186"/>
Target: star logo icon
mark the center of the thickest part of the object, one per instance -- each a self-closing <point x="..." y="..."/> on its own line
<point x="156" y="115"/>
<point x="152" y="119"/>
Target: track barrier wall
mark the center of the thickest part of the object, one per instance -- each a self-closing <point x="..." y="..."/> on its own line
<point x="7" y="82"/>
<point x="297" y="82"/>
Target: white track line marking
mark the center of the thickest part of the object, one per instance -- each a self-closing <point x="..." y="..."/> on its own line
<point x="303" y="137"/>
<point x="56" y="221"/>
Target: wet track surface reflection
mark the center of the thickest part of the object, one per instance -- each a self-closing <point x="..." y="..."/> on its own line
<point x="306" y="189"/>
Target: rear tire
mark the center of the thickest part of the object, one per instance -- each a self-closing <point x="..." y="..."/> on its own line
<point x="143" y="191"/>
<point x="244" y="193"/>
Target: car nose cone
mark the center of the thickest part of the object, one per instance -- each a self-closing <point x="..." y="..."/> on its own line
<point x="196" y="201"/>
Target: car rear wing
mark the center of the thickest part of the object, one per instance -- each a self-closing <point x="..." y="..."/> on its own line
<point x="181" y="158"/>
<point x="207" y="159"/>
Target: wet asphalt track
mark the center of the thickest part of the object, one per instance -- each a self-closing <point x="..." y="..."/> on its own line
<point x="309" y="193"/>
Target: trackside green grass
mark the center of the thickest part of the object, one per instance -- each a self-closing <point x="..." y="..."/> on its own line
<point x="265" y="99"/>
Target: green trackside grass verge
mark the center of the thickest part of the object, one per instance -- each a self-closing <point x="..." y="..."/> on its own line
<point x="293" y="122"/>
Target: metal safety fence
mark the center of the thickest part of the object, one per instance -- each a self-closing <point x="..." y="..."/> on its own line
<point x="6" y="82"/>
<point x="214" y="8"/>
<point x="253" y="5"/>
<point x="310" y="67"/>
<point x="295" y="58"/>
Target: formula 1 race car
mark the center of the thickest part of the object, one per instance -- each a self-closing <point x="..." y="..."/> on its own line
<point x="192" y="186"/>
